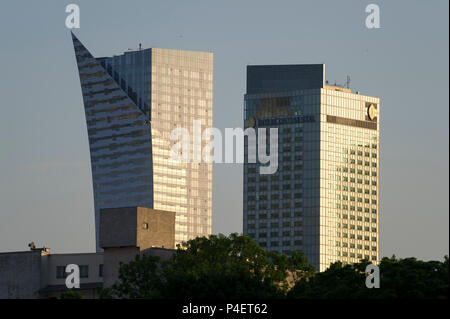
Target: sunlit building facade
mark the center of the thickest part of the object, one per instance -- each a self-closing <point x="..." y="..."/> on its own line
<point x="324" y="198"/>
<point x="132" y="103"/>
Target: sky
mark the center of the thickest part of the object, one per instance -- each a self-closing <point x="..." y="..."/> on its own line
<point x="45" y="176"/>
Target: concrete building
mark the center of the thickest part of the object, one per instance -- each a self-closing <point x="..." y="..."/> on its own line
<point x="324" y="198"/>
<point x="132" y="103"/>
<point x="127" y="232"/>
<point x="124" y="233"/>
<point x="20" y="274"/>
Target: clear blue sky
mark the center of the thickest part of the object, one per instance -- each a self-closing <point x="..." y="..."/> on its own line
<point x="45" y="179"/>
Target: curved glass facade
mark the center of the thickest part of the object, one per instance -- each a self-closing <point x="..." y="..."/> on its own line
<point x="132" y="102"/>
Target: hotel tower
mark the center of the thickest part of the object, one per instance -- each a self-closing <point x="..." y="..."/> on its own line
<point x="324" y="198"/>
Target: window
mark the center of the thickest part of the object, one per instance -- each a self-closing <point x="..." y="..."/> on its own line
<point x="61" y="272"/>
<point x="100" y="270"/>
<point x="84" y="271"/>
<point x="287" y="224"/>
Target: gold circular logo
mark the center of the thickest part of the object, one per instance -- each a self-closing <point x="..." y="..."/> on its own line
<point x="251" y="122"/>
<point x="371" y="111"/>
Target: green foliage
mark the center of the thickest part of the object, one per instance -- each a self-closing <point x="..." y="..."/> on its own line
<point x="140" y="278"/>
<point x="70" y="294"/>
<point x="407" y="278"/>
<point x="235" y="267"/>
<point x="216" y="267"/>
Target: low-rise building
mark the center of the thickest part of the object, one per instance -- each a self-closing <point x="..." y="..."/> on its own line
<point x="124" y="233"/>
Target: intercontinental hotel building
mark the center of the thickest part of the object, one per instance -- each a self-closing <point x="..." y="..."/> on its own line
<point x="324" y="198"/>
<point x="132" y="103"/>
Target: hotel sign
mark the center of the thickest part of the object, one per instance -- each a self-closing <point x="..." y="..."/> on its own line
<point x="286" y="120"/>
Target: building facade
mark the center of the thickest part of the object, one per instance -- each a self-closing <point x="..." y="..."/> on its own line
<point x="324" y="198"/>
<point x="132" y="103"/>
<point x="125" y="232"/>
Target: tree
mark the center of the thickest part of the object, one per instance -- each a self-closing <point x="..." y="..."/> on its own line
<point x="399" y="278"/>
<point x="138" y="279"/>
<point x="70" y="294"/>
<point x="235" y="267"/>
<point x="216" y="267"/>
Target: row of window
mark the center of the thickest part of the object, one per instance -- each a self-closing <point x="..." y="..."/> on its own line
<point x="366" y="154"/>
<point x="84" y="271"/>
<point x="357" y="227"/>
<point x="263" y="197"/>
<point x="359" y="218"/>
<point x="251" y="216"/>
<point x="353" y="255"/>
<point x="263" y="206"/>
<point x="287" y="224"/>
<point x="276" y="180"/>
<point x="359" y="237"/>
<point x="353" y="246"/>
<point x="275" y="234"/>
<point x="282" y="243"/>
<point x="346" y="207"/>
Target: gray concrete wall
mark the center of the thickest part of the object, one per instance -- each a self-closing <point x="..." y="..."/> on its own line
<point x="118" y="227"/>
<point x="124" y="227"/>
<point x="20" y="275"/>
<point x="92" y="260"/>
<point x="112" y="259"/>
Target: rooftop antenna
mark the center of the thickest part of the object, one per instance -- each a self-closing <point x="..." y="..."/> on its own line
<point x="348" y="81"/>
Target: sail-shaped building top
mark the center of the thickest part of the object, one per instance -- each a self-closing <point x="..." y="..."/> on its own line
<point x="132" y="103"/>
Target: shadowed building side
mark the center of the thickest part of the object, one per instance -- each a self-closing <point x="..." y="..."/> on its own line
<point x="119" y="139"/>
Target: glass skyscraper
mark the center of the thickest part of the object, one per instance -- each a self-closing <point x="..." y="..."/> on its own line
<point x="132" y="103"/>
<point x="324" y="198"/>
